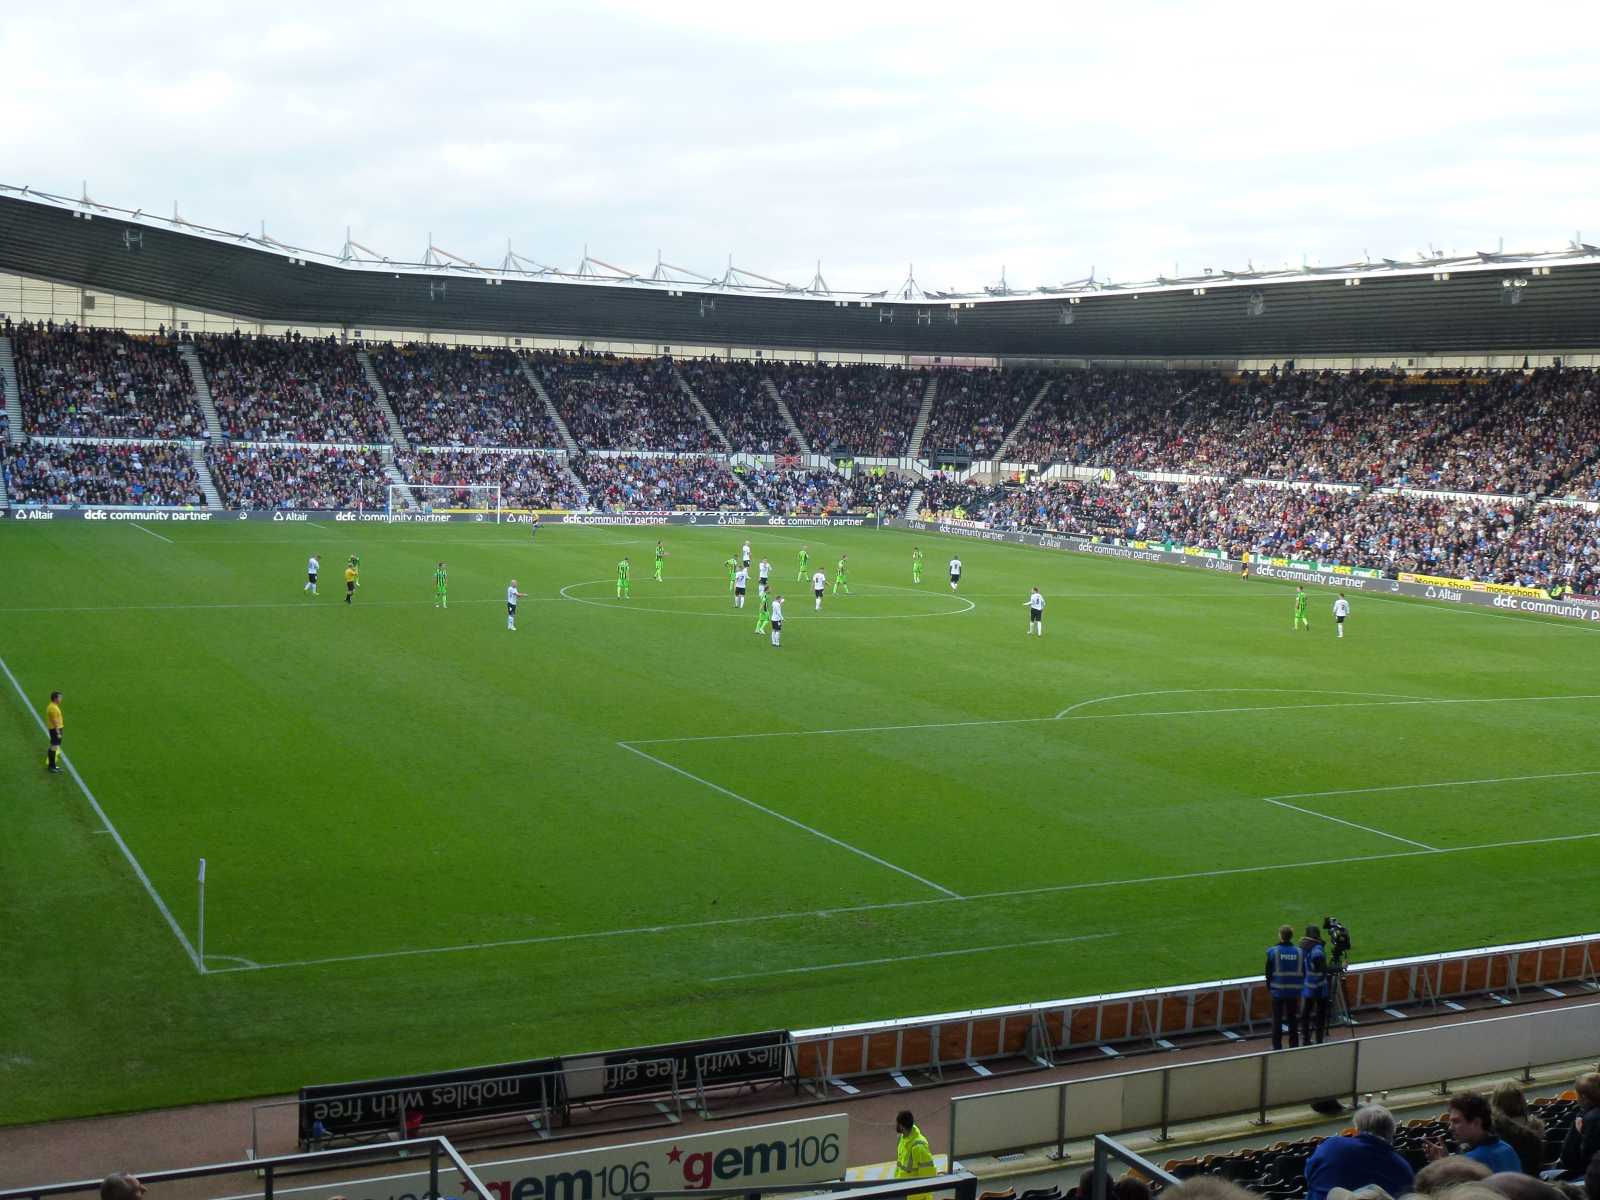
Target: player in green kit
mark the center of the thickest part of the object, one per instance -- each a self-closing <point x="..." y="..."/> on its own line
<point x="661" y="556"/>
<point x="441" y="581"/>
<point x="624" y="589"/>
<point x="841" y="577"/>
<point x="766" y="610"/>
<point x="805" y="561"/>
<point x="916" y="564"/>
<point x="733" y="565"/>
<point x="1300" y="602"/>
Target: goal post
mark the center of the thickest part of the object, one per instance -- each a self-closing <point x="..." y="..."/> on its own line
<point x="471" y="499"/>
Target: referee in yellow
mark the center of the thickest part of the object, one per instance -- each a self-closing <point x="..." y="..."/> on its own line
<point x="54" y="725"/>
<point x="913" y="1158"/>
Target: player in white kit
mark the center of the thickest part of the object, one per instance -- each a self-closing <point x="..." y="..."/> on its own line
<point x="1035" y="605"/>
<point x="763" y="573"/>
<point x="955" y="573"/>
<point x="1341" y="610"/>
<point x="777" y="619"/>
<point x="512" y="596"/>
<point x="313" y="568"/>
<point x="819" y="584"/>
<point x="741" y="578"/>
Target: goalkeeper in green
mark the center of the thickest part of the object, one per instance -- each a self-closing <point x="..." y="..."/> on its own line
<point x="766" y="612"/>
<point x="805" y="561"/>
<point x="916" y="564"/>
<point x="841" y="577"/>
<point x="733" y="565"/>
<point x="1300" y="602"/>
<point x="441" y="583"/>
<point x="624" y="589"/>
<point x="661" y="557"/>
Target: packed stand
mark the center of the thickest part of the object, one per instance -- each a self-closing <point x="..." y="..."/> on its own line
<point x="866" y="410"/>
<point x="611" y="403"/>
<point x="525" y="480"/>
<point x="945" y="494"/>
<point x="290" y="390"/>
<point x="975" y="410"/>
<point x="107" y="473"/>
<point x="102" y="383"/>
<point x="627" y="483"/>
<point x="463" y="396"/>
<point x="736" y="396"/>
<point x="265" y="477"/>
<point x="816" y="493"/>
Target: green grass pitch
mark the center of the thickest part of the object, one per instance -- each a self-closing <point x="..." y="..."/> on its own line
<point x="433" y="842"/>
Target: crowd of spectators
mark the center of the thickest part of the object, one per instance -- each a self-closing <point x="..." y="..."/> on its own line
<point x="611" y="403"/>
<point x="736" y="396"/>
<point x="856" y="409"/>
<point x="795" y="492"/>
<point x="463" y="396"/>
<point x="974" y="410"/>
<point x="525" y="480"/>
<point x="290" y="389"/>
<point x="627" y="482"/>
<point x="101" y="473"/>
<point x="78" y="382"/>
<point x="298" y="477"/>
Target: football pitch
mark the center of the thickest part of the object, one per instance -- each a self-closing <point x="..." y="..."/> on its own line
<point x="434" y="842"/>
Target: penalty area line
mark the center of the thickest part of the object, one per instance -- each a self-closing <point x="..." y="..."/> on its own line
<point x="788" y="820"/>
<point x="105" y="821"/>
<point x="878" y="962"/>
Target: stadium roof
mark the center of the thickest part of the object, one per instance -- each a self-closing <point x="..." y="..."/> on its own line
<point x="1542" y="302"/>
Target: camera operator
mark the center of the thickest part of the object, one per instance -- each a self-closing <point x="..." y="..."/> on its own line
<point x="1286" y="977"/>
<point x="1314" y="995"/>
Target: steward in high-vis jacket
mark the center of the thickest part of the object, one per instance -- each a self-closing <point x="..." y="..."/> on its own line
<point x="1286" y="976"/>
<point x="913" y="1158"/>
<point x="1314" y="995"/>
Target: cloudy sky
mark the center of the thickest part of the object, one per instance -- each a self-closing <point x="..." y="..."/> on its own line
<point x="1132" y="138"/>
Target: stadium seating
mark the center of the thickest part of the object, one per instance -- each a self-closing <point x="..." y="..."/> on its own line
<point x="463" y="396"/>
<point x="975" y="410"/>
<point x="868" y="410"/>
<point x="525" y="480"/>
<point x="737" y="399"/>
<point x="298" y="477"/>
<point x="101" y="383"/>
<point x="290" y="390"/>
<point x="613" y="403"/>
<point x="626" y="482"/>
<point x="101" y="473"/>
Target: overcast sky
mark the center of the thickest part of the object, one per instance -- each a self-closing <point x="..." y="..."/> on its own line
<point x="1128" y="137"/>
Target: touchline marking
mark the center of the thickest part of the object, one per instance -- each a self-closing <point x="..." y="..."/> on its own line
<point x="1180" y="712"/>
<point x="308" y="605"/>
<point x="878" y="962"/>
<point x="1065" y="712"/>
<point x="105" y="821"/>
<point x="1352" y="824"/>
<point x="1420" y="604"/>
<point x="1410" y="787"/>
<point x="152" y="533"/>
<point x="801" y="825"/>
<point x="890" y="905"/>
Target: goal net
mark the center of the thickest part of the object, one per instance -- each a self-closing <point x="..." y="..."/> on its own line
<point x="473" y="499"/>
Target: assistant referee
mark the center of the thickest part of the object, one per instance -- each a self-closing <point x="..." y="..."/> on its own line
<point x="54" y="725"/>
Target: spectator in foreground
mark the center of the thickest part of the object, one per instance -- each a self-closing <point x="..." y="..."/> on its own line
<point x="1516" y="1126"/>
<point x="1354" y="1162"/>
<point x="1583" y="1139"/>
<point x="1449" y="1172"/>
<point x="1516" y="1185"/>
<point x="121" y="1186"/>
<point x="1471" y="1125"/>
<point x="1209" y="1187"/>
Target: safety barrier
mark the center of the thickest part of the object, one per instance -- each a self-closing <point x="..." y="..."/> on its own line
<point x="1043" y="1031"/>
<point x="1057" y="1113"/>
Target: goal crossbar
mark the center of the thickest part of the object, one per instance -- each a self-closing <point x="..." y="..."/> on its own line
<point x="478" y="499"/>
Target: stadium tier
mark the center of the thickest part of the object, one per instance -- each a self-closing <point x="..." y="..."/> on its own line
<point x="625" y="482"/>
<point x="526" y="480"/>
<point x="102" y="473"/>
<point x="736" y="396"/>
<point x="463" y="397"/>
<point x="623" y="404"/>
<point x="865" y="410"/>
<point x="277" y="476"/>
<point x="290" y="390"/>
<point x="100" y="383"/>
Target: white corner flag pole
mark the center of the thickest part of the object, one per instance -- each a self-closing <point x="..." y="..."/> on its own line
<point x="201" y="952"/>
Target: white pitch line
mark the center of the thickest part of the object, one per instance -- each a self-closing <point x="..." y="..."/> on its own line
<point x="889" y="905"/>
<point x="1420" y="604"/>
<point x="878" y="962"/>
<point x="1065" y="712"/>
<point x="105" y="821"/>
<point x="801" y="825"/>
<point x="1409" y="787"/>
<point x="1352" y="824"/>
<point x="308" y="605"/>
<point x="152" y="533"/>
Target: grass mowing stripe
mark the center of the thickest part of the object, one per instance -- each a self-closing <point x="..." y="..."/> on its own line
<point x="801" y="825"/>
<point x="900" y="958"/>
<point x="1353" y="825"/>
<point x="105" y="821"/>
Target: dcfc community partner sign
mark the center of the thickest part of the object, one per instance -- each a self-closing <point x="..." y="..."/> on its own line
<point x="814" y="1150"/>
